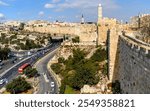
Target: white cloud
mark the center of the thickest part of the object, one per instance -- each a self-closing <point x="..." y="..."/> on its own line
<point x="48" y="5"/>
<point x="3" y="3"/>
<point x="2" y="15"/>
<point x="110" y="4"/>
<point x="86" y="4"/>
<point x="41" y="13"/>
<point x="55" y="1"/>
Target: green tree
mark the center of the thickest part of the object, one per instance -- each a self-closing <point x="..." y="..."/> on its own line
<point x="4" y="53"/>
<point x="56" y="67"/>
<point x="79" y="71"/>
<point x="62" y="87"/>
<point x="78" y="55"/>
<point x="105" y="69"/>
<point x="30" y="72"/>
<point x="61" y="60"/>
<point x="86" y="73"/>
<point x="18" y="85"/>
<point x="100" y="55"/>
<point x="76" y="39"/>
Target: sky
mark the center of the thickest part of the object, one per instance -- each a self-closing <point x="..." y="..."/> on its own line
<point x="70" y="10"/>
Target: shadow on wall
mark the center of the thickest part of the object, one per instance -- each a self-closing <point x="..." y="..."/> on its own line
<point x="107" y="46"/>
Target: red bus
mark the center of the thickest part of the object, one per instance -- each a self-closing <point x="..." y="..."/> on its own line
<point x="23" y="67"/>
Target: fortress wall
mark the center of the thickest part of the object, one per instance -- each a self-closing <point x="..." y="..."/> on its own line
<point x="134" y="66"/>
<point x="113" y="54"/>
<point x="86" y="32"/>
<point x="102" y="33"/>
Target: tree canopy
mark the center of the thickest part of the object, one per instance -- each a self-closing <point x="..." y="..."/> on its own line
<point x="79" y="71"/>
<point x="18" y="85"/>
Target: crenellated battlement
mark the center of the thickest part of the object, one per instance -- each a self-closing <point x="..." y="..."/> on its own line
<point x="136" y="45"/>
<point x="133" y="65"/>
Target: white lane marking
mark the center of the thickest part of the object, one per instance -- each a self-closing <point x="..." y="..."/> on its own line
<point x="45" y="77"/>
<point x="6" y="71"/>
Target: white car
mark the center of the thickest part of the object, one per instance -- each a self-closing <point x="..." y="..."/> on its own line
<point x="2" y="81"/>
<point x="52" y="84"/>
<point x="20" y="58"/>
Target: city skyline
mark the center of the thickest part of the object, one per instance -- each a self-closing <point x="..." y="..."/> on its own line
<point x="70" y="10"/>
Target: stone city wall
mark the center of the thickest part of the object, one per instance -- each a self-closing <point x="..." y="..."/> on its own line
<point x="86" y="32"/>
<point x="134" y="66"/>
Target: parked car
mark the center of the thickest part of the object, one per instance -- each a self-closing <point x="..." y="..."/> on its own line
<point x="2" y="81"/>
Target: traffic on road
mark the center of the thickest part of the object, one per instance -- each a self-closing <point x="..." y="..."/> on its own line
<point x="9" y="68"/>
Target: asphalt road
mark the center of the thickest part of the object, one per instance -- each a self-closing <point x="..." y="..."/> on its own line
<point x="12" y="72"/>
<point x="7" y="64"/>
<point x="45" y="77"/>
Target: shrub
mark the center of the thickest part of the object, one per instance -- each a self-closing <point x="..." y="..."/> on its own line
<point x="61" y="60"/>
<point x="62" y="87"/>
<point x="30" y="72"/>
<point x="100" y="55"/>
<point x="116" y="89"/>
<point x="76" y="39"/>
<point x="18" y="85"/>
<point x="56" y="67"/>
<point x="4" y="53"/>
<point x="105" y="69"/>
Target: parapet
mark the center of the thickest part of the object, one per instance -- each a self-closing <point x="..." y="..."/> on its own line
<point x="136" y="45"/>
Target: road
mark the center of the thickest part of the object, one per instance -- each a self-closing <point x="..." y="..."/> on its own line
<point x="12" y="72"/>
<point x="24" y="54"/>
<point x="8" y="63"/>
<point x="46" y="78"/>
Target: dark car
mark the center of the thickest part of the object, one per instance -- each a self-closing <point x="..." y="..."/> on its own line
<point x="14" y="60"/>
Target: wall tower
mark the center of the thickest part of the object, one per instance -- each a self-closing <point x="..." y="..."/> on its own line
<point x="100" y="13"/>
<point x="82" y="19"/>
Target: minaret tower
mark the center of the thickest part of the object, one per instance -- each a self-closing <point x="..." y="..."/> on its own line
<point x="100" y="13"/>
<point x="82" y="19"/>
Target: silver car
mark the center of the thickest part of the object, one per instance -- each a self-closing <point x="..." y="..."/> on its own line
<point x="2" y="81"/>
<point x="52" y="84"/>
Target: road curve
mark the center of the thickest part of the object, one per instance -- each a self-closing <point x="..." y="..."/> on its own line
<point x="45" y="77"/>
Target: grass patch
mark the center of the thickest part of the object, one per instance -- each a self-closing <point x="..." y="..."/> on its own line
<point x="70" y="90"/>
<point x="5" y="92"/>
<point x="30" y="91"/>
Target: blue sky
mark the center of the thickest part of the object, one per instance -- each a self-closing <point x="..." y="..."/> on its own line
<point x="70" y="10"/>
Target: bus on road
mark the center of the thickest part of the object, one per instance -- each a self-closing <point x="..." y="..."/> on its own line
<point x="23" y="67"/>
